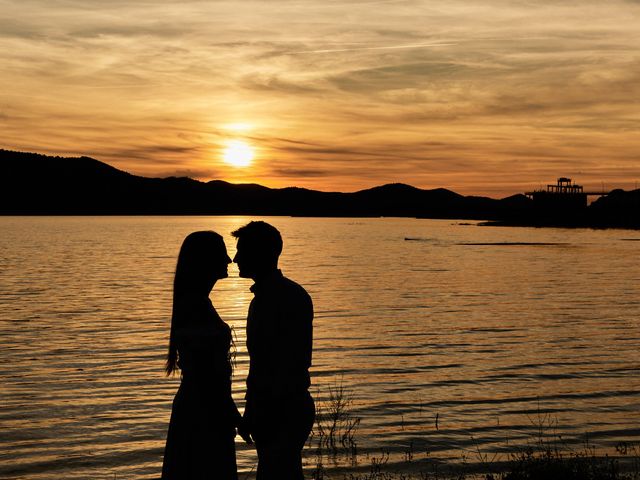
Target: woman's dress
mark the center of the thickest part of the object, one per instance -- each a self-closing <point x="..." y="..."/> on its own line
<point x="200" y="441"/>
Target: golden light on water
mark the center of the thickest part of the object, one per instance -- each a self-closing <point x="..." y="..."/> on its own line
<point x="238" y="154"/>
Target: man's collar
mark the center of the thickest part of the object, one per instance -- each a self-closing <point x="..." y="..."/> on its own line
<point x="264" y="281"/>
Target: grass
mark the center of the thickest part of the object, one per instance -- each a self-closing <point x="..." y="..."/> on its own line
<point x="545" y="457"/>
<point x="334" y="433"/>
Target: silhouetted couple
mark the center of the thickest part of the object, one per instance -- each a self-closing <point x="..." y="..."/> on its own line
<point x="279" y="411"/>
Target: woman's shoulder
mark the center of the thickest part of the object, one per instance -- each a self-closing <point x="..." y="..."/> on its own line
<point x="203" y="329"/>
<point x="202" y="321"/>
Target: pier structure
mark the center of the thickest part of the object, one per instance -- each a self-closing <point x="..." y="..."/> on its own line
<point x="564" y="195"/>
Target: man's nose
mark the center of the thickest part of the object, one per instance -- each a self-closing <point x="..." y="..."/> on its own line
<point x="235" y="258"/>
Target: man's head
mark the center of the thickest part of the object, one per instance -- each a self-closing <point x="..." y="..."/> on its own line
<point x="258" y="247"/>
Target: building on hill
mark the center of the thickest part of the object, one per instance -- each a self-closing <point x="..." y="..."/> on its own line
<point x="564" y="196"/>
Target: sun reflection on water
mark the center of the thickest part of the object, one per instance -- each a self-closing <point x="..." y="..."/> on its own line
<point x="476" y="335"/>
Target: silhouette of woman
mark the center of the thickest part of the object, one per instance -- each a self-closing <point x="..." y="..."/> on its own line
<point x="200" y="440"/>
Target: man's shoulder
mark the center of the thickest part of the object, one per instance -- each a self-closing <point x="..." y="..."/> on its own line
<point x="294" y="289"/>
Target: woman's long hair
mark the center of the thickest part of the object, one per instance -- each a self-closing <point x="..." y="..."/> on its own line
<point x="193" y="277"/>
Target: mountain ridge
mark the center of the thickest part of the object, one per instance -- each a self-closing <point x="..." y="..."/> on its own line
<point x="36" y="184"/>
<point x="100" y="188"/>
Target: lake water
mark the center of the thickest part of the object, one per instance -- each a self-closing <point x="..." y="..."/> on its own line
<point x="491" y="330"/>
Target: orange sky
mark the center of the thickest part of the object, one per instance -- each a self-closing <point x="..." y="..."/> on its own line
<point x="489" y="97"/>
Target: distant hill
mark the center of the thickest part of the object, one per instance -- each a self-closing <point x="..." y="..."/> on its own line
<point x="38" y="184"/>
<point x="33" y="184"/>
<point x="619" y="208"/>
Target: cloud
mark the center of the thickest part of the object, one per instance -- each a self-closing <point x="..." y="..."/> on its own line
<point x="357" y="49"/>
<point x="158" y="150"/>
<point x="301" y="172"/>
<point x="343" y="92"/>
<point x="399" y="76"/>
<point x="274" y="83"/>
<point x="196" y="174"/>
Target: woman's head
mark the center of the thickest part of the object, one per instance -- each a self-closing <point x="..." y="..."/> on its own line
<point x="202" y="261"/>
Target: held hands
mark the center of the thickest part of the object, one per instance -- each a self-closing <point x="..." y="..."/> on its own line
<point x="244" y="431"/>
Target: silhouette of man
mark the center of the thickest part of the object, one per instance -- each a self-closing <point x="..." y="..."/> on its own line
<point x="279" y="411"/>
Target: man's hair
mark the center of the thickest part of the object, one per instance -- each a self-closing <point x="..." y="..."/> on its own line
<point x="261" y="236"/>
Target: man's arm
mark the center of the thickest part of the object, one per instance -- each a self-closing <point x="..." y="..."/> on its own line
<point x="294" y="351"/>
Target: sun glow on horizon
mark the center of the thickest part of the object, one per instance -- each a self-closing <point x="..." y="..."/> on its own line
<point x="238" y="154"/>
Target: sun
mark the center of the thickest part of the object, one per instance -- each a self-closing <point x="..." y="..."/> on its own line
<point x="238" y="154"/>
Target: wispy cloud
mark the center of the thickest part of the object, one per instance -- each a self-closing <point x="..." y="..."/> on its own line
<point x="356" y="49"/>
<point x="475" y="95"/>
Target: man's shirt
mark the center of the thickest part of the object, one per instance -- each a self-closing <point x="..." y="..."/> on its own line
<point x="279" y="340"/>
